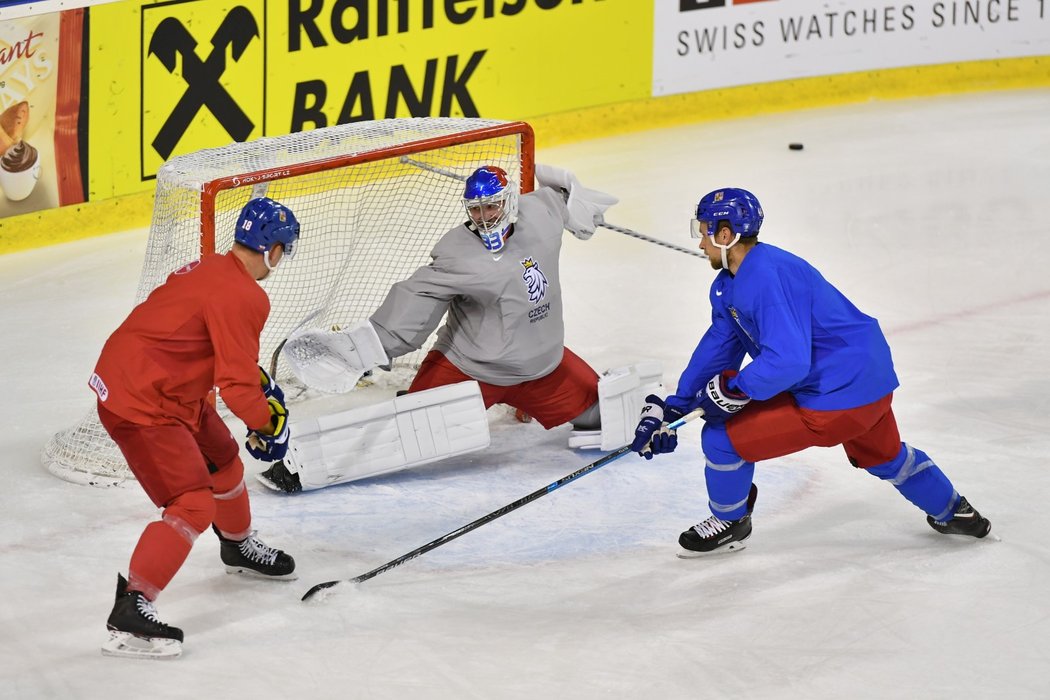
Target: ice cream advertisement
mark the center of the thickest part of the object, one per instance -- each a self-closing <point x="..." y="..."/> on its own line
<point x="28" y="95"/>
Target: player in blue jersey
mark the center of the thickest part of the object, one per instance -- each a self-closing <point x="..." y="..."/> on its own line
<point x="821" y="375"/>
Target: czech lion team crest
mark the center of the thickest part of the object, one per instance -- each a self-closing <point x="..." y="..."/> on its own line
<point x="535" y="281"/>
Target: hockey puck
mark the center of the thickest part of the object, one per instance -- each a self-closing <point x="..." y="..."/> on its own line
<point x="795" y="146"/>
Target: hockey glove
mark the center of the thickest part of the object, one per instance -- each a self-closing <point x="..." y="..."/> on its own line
<point x="720" y="398"/>
<point x="586" y="207"/>
<point x="272" y="445"/>
<point x="269" y="386"/>
<point x="652" y="436"/>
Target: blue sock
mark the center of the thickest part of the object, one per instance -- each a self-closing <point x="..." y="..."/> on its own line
<point x="727" y="474"/>
<point x="919" y="480"/>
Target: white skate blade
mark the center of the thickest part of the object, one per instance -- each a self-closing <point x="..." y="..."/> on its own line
<point x="128" y="646"/>
<point x="252" y="573"/>
<point x="268" y="484"/>
<point x="731" y="547"/>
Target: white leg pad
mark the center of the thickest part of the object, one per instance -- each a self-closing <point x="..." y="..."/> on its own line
<point x="621" y="395"/>
<point x="404" y="432"/>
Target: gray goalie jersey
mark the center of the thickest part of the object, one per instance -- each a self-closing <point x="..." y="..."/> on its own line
<point x="504" y="323"/>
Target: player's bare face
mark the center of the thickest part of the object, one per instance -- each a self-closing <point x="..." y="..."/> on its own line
<point x="485" y="216"/>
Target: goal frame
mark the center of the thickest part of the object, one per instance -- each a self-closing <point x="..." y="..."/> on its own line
<point x="84" y="453"/>
<point x="212" y="188"/>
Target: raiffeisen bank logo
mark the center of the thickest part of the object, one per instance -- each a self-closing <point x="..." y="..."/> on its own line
<point x="202" y="73"/>
<point x="689" y="5"/>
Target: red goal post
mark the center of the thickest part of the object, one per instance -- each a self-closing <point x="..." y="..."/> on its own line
<point x="372" y="199"/>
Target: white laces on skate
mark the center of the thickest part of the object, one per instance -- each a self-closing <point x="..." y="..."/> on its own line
<point x="256" y="550"/>
<point x="146" y="609"/>
<point x="711" y="527"/>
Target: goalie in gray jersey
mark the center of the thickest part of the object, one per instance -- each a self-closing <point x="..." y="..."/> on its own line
<point x="497" y="276"/>
<point x="496" y="281"/>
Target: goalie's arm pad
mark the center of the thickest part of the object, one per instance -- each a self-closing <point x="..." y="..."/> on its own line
<point x="333" y="361"/>
<point x="586" y="207"/>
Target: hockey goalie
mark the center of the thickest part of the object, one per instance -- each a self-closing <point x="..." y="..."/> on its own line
<point x="495" y="279"/>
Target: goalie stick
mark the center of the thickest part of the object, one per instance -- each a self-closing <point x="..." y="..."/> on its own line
<point x="538" y="493"/>
<point x="612" y="227"/>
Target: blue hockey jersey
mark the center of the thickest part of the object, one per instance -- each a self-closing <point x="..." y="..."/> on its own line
<point x="803" y="336"/>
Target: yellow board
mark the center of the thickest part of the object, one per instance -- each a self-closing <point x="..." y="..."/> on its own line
<point x="202" y="73"/>
<point x="133" y="211"/>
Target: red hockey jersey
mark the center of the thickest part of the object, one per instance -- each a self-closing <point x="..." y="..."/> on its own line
<point x="198" y="330"/>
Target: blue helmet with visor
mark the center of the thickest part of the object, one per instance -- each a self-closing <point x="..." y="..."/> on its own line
<point x="491" y="200"/>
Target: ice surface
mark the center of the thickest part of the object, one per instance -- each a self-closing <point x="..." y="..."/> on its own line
<point x="930" y="214"/>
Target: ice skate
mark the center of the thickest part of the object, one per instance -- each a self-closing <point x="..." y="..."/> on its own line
<point x="251" y="556"/>
<point x="278" y="478"/>
<point x="715" y="535"/>
<point x="135" y="631"/>
<point x="964" y="521"/>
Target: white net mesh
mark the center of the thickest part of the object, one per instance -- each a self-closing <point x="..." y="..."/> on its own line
<point x="372" y="199"/>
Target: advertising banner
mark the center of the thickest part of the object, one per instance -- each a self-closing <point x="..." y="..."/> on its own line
<point x="39" y="105"/>
<point x="708" y="44"/>
<point x="201" y="73"/>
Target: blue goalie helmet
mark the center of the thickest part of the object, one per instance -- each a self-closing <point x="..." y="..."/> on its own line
<point x="491" y="201"/>
<point x="739" y="207"/>
<point x="264" y="223"/>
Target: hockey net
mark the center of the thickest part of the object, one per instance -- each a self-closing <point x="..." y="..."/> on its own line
<point x="372" y="199"/>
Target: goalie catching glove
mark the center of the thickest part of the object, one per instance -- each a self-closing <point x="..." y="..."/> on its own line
<point x="333" y="361"/>
<point x="652" y="436"/>
<point x="586" y="207"/>
<point x="272" y="446"/>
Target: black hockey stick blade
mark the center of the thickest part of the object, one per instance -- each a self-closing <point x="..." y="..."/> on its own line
<point x="538" y="493"/>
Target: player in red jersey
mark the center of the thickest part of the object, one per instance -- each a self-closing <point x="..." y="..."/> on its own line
<point x="198" y="330"/>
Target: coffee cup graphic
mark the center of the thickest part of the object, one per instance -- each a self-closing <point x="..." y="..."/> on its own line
<point x="19" y="162"/>
<point x="19" y="171"/>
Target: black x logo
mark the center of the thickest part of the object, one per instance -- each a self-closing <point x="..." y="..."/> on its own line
<point x="203" y="88"/>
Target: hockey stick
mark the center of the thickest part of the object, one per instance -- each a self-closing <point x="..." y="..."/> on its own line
<point x="649" y="239"/>
<point x="539" y="493"/>
<point x="612" y="227"/>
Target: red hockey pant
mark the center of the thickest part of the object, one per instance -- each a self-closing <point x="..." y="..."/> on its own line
<point x="555" y="399"/>
<point x="197" y="477"/>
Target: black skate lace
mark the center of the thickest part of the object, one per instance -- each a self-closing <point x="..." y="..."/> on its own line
<point x="711" y="527"/>
<point x="256" y="550"/>
<point x="147" y="610"/>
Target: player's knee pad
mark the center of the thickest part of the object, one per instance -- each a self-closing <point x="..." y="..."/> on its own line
<point x="229" y="477"/>
<point x="728" y="475"/>
<point x="190" y="513"/>
<point x="920" y="480"/>
<point x="717" y="447"/>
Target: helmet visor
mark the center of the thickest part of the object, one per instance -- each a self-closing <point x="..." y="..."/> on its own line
<point x="694" y="228"/>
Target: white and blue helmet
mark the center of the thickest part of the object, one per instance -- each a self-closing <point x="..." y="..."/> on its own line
<point x="490" y="185"/>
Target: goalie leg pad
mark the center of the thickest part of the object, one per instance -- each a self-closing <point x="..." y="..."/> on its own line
<point x="621" y="395"/>
<point x="407" y="431"/>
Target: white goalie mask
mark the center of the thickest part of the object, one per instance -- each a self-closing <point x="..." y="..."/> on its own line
<point x="491" y="200"/>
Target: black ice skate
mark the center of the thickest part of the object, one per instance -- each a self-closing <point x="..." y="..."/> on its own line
<point x="253" y="557"/>
<point x="964" y="521"/>
<point x="278" y="478"/>
<point x="715" y="535"/>
<point x="135" y="631"/>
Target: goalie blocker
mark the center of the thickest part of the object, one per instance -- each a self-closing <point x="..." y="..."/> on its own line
<point x="366" y="441"/>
